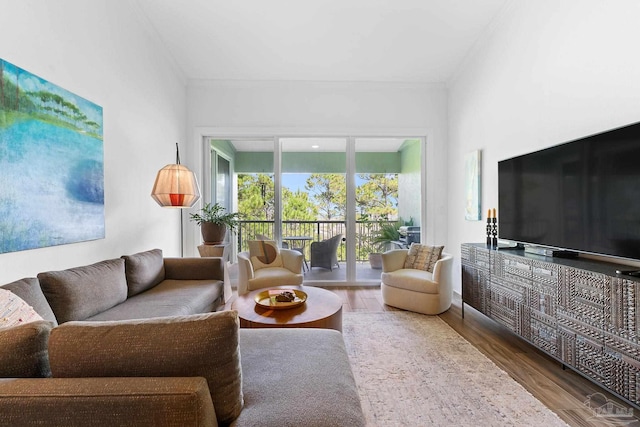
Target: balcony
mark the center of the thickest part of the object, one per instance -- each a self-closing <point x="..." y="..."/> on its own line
<point x="318" y="231"/>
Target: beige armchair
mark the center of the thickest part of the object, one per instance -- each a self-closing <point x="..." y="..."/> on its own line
<point x="289" y="274"/>
<point x="416" y="290"/>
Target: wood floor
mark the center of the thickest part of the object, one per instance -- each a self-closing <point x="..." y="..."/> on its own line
<point x="561" y="390"/>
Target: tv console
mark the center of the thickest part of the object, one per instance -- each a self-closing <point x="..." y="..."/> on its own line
<point x="581" y="312"/>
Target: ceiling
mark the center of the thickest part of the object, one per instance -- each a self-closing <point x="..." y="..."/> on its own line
<point x="416" y="41"/>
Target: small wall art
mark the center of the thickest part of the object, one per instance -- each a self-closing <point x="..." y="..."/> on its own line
<point x="472" y="177"/>
<point x="51" y="164"/>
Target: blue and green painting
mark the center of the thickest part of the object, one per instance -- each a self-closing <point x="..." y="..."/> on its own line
<point x="51" y="164"/>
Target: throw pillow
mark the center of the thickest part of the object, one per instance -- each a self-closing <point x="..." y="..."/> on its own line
<point x="200" y="345"/>
<point x="264" y="253"/>
<point x="23" y="350"/>
<point x="82" y="292"/>
<point x="423" y="257"/>
<point x="143" y="270"/>
<point x="29" y="290"/>
<point x="411" y="255"/>
<point x="14" y="311"/>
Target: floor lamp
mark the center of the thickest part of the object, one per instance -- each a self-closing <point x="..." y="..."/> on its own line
<point x="176" y="186"/>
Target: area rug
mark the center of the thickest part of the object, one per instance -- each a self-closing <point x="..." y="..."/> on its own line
<point x="415" y="370"/>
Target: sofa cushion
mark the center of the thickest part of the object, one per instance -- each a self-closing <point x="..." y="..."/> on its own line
<point x="14" y="311"/>
<point x="297" y="377"/>
<point x="143" y="270"/>
<point x="411" y="279"/>
<point x="23" y="350"/>
<point x="81" y="292"/>
<point x="29" y="290"/>
<point x="169" y="298"/>
<point x="423" y="257"/>
<point x="193" y="268"/>
<point x="276" y="276"/>
<point x="264" y="254"/>
<point x="203" y="345"/>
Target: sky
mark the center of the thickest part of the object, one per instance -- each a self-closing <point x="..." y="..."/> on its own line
<point x="296" y="181"/>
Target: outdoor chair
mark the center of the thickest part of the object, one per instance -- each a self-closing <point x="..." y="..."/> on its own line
<point x="325" y="253"/>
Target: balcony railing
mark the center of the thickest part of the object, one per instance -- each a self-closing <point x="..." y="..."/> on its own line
<point x="317" y="231"/>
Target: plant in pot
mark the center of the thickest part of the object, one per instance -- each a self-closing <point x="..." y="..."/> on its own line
<point x="387" y="233"/>
<point x="214" y="221"/>
<point x="366" y="248"/>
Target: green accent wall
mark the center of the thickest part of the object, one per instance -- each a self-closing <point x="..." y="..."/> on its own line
<point x="410" y="155"/>
<point x="314" y="162"/>
<point x="223" y="146"/>
<point x="254" y="162"/>
<point x="292" y="162"/>
<point x="409" y="202"/>
<point x="378" y="162"/>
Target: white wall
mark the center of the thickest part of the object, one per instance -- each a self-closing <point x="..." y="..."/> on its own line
<point x="547" y="72"/>
<point x="104" y="51"/>
<point x="323" y="108"/>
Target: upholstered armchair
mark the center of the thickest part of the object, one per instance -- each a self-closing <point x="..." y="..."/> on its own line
<point x="252" y="277"/>
<point x="414" y="289"/>
<point x="325" y="253"/>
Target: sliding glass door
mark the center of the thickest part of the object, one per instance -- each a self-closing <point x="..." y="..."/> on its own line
<point x="223" y="180"/>
<point x="334" y="199"/>
<point x="252" y="185"/>
<point x="314" y="203"/>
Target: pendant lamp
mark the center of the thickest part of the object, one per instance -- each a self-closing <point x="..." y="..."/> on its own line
<point x="176" y="186"/>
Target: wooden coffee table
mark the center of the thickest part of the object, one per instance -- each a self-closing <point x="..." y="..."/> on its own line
<point x="323" y="309"/>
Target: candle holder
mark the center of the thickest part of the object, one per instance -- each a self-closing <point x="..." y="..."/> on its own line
<point x="489" y="231"/>
<point x="494" y="232"/>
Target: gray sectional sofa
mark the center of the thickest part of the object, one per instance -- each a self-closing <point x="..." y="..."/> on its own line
<point x="136" y="341"/>
<point x="135" y="286"/>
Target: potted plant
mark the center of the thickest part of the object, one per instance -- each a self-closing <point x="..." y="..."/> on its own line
<point x="387" y="233"/>
<point x="375" y="260"/>
<point x="214" y="222"/>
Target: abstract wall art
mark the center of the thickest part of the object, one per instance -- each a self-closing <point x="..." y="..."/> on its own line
<point x="51" y="164"/>
<point x="472" y="185"/>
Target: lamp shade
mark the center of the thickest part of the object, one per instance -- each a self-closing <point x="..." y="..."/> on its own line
<point x="176" y="186"/>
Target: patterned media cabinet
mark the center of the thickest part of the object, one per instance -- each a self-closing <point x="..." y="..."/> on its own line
<point x="576" y="310"/>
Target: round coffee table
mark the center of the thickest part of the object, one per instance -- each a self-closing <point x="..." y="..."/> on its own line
<point x="323" y="309"/>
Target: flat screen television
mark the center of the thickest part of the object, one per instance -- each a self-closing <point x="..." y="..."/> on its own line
<point x="582" y="196"/>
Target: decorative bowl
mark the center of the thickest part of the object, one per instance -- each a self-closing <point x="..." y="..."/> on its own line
<point x="267" y="299"/>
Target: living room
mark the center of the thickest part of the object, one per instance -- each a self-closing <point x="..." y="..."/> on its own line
<point x="539" y="74"/>
<point x="519" y="90"/>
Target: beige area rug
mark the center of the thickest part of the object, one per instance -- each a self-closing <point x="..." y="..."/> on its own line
<point x="415" y="370"/>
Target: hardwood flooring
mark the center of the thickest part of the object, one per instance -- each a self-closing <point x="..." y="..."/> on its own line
<point x="562" y="390"/>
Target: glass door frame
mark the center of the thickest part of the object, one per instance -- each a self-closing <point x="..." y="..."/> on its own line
<point x="215" y="161"/>
<point x="204" y="135"/>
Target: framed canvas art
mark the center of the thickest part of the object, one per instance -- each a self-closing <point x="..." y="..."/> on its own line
<point x="51" y="164"/>
<point x="472" y="176"/>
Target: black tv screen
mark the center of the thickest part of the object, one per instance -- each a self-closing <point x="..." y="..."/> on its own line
<point x="581" y="196"/>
